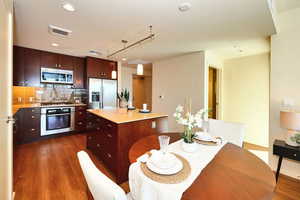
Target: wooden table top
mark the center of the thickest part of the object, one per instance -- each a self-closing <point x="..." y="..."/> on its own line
<point x="234" y="173"/>
<point x="120" y="116"/>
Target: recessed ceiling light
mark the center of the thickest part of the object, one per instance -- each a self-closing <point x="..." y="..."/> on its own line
<point x="68" y="7"/>
<point x="55" y="44"/>
<point x="124" y="59"/>
<point x="184" y="6"/>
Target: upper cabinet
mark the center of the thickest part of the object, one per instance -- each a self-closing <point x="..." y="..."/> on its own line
<point x="79" y="73"/>
<point x="26" y="69"/>
<point x="18" y="62"/>
<point x="32" y="72"/>
<point x="100" y="68"/>
<point x="59" y="61"/>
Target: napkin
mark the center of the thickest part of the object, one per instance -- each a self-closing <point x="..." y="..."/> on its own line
<point x="205" y="136"/>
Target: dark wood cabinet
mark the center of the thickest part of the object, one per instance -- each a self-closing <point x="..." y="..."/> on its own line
<point x="111" y="142"/>
<point x="28" y="125"/>
<point x="32" y="71"/>
<point x="18" y="63"/>
<point x="100" y="68"/>
<point x="59" y="61"/>
<point x="80" y="118"/>
<point x="26" y="67"/>
<point x="79" y="73"/>
<point x="49" y="60"/>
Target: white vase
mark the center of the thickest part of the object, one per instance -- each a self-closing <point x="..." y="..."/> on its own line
<point x="189" y="147"/>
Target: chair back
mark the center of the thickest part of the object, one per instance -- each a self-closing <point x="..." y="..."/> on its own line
<point x="99" y="185"/>
<point x="229" y="131"/>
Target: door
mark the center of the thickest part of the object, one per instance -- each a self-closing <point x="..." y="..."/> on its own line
<point x="18" y="66"/>
<point x="66" y="62"/>
<point x="32" y="70"/>
<point x="212" y="93"/>
<point x="49" y="60"/>
<point x="79" y="73"/>
<point x="142" y="91"/>
<point x="109" y="89"/>
<point x="6" y="140"/>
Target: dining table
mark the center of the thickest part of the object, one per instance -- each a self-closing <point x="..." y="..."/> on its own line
<point x="233" y="174"/>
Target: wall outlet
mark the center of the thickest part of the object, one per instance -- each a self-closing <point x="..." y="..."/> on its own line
<point x="154" y="124"/>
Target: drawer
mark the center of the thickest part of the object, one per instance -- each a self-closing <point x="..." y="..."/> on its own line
<point x="32" y="110"/>
<point x="29" y="134"/>
<point x="287" y="153"/>
<point x="91" y="141"/>
<point x="80" y="114"/>
<point x="80" y="108"/>
<point x="80" y="125"/>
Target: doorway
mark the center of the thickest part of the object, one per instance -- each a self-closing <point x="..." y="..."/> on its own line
<point x="213" y="93"/>
<point x="142" y="91"/>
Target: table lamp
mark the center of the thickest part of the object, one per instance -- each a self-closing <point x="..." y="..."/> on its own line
<point x="291" y="120"/>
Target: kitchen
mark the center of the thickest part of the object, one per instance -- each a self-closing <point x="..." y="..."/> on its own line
<point x="57" y="95"/>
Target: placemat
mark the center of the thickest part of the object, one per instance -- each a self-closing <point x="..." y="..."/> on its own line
<point x="169" y="179"/>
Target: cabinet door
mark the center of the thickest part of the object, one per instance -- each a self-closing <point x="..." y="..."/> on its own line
<point x="93" y="68"/>
<point x="49" y="60"/>
<point x="79" y="73"/>
<point x="18" y="66"/>
<point x="32" y="67"/>
<point x="66" y="62"/>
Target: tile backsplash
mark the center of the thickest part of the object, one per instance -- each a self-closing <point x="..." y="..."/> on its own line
<point x="48" y="93"/>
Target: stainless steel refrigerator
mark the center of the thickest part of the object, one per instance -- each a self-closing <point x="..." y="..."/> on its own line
<point x="102" y="93"/>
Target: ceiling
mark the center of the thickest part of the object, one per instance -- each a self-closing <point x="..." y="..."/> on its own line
<point x="285" y="5"/>
<point x="222" y="26"/>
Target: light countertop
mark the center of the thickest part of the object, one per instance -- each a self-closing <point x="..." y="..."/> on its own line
<point x="120" y="116"/>
<point x="38" y="105"/>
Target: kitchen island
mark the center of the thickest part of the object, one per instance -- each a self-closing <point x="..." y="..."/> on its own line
<point x="116" y="130"/>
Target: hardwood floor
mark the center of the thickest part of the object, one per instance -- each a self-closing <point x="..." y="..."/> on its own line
<point x="49" y="169"/>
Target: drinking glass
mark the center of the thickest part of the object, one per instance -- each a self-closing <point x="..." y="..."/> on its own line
<point x="163" y="142"/>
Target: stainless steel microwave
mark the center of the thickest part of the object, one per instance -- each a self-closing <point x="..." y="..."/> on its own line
<point x="50" y="75"/>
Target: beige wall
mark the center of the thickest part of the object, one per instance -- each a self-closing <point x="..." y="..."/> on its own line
<point x="246" y="95"/>
<point x="285" y="79"/>
<point x="5" y="100"/>
<point x="176" y="79"/>
<point x="126" y="76"/>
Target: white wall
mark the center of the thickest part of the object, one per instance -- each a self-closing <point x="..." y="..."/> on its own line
<point x="126" y="79"/>
<point x="176" y="79"/>
<point x="6" y="21"/>
<point x="285" y="79"/>
<point x="246" y="95"/>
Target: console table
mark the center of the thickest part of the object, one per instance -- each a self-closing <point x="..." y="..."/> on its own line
<point x="281" y="149"/>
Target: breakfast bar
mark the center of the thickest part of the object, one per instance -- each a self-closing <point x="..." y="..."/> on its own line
<point x="116" y="130"/>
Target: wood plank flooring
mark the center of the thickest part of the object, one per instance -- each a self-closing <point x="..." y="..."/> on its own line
<point x="49" y="169"/>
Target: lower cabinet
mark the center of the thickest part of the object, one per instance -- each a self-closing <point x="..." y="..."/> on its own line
<point x="80" y="118"/>
<point x="27" y="126"/>
<point x="110" y="142"/>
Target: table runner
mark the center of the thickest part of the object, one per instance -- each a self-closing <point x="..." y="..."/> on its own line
<point x="143" y="188"/>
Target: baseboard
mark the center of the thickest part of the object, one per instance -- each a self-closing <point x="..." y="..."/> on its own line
<point x="287" y="177"/>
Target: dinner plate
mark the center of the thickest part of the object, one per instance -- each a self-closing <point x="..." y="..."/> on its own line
<point x="176" y="167"/>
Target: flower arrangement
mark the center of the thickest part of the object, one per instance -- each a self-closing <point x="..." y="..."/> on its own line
<point x="296" y="138"/>
<point x="189" y="121"/>
<point x="123" y="97"/>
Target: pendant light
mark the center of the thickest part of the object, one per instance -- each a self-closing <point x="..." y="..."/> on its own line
<point x="114" y="74"/>
<point x="140" y="69"/>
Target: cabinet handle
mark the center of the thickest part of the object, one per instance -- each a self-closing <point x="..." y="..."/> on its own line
<point x="80" y="113"/>
<point x="98" y="145"/>
<point x="32" y="129"/>
<point x="32" y="117"/>
<point x="80" y="123"/>
<point x="89" y="137"/>
<point x="108" y="155"/>
<point x="32" y="110"/>
<point x="109" y="125"/>
<point x="98" y="129"/>
<point x="109" y="135"/>
<point x="295" y="155"/>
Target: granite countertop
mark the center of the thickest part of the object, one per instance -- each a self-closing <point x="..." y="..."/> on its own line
<point x="120" y="116"/>
<point x="38" y="105"/>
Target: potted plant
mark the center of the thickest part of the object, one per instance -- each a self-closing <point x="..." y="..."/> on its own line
<point x="190" y="122"/>
<point x="123" y="97"/>
<point x="296" y="138"/>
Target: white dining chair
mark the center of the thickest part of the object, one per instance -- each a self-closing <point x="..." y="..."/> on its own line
<point x="100" y="186"/>
<point x="229" y="131"/>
